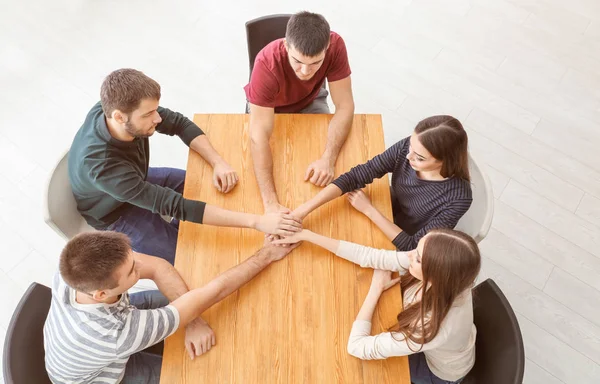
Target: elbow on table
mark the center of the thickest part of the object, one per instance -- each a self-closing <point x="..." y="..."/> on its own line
<point x="355" y="350"/>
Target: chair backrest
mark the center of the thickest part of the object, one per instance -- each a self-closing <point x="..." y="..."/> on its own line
<point x="477" y="220"/>
<point x="60" y="211"/>
<point x="499" y="352"/>
<point x="23" y="356"/>
<point x="262" y="31"/>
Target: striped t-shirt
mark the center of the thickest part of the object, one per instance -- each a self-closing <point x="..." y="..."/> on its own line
<point x="419" y="205"/>
<point x="91" y="343"/>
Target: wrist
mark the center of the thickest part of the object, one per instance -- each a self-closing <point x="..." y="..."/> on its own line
<point x="264" y="256"/>
<point x="370" y="212"/>
<point x="306" y="235"/>
<point x="329" y="159"/>
<point x="271" y="205"/>
<point x="375" y="290"/>
<point x="253" y="221"/>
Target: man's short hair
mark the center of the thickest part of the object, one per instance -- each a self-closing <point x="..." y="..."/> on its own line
<point x="308" y="33"/>
<point x="89" y="260"/>
<point x="124" y="90"/>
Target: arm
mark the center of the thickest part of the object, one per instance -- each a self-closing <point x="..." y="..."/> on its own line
<point x="327" y="194"/>
<point x="339" y="127"/>
<point x="125" y="184"/>
<point x="366" y="257"/>
<point x="278" y="223"/>
<point x="322" y="170"/>
<point x="224" y="177"/>
<point x="174" y="123"/>
<point x="362" y="203"/>
<point x="261" y="128"/>
<point x="356" y="178"/>
<point x="364" y="346"/>
<point x="193" y="303"/>
<point x="199" y="337"/>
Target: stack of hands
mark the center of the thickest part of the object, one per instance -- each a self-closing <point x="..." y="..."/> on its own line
<point x="284" y="225"/>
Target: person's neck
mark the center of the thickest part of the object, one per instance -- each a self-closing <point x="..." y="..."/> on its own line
<point x="83" y="298"/>
<point x="434" y="175"/>
<point x="116" y="132"/>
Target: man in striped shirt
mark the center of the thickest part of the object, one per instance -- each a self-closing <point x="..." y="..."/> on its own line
<point x="95" y="331"/>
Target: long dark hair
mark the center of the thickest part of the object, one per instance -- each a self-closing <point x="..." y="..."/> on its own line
<point x="450" y="264"/>
<point x="446" y="139"/>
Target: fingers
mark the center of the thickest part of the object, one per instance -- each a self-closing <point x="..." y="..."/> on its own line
<point x="217" y="183"/>
<point x="291" y="222"/>
<point x="322" y="179"/>
<point x="315" y="177"/>
<point x="290" y="217"/>
<point x="207" y="344"/>
<point x="309" y="170"/>
<point x="284" y="232"/>
<point x="189" y="347"/>
<point x="230" y="183"/>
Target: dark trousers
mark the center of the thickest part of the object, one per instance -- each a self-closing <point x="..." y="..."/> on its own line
<point x="149" y="232"/>
<point x="420" y="372"/>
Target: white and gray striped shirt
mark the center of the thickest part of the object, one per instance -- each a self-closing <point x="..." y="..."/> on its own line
<point x="91" y="343"/>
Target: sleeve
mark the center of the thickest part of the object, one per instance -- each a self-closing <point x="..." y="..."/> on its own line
<point x="368" y="257"/>
<point x="387" y="344"/>
<point x="340" y="66"/>
<point x="123" y="183"/>
<point x="364" y="174"/>
<point x="263" y="88"/>
<point x="145" y="327"/>
<point x="174" y="123"/>
<point x="447" y="218"/>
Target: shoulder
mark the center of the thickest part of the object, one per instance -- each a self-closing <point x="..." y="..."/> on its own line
<point x="460" y="188"/>
<point x="335" y="39"/>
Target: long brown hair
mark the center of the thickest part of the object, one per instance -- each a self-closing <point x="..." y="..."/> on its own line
<point x="446" y="139"/>
<point x="450" y="264"/>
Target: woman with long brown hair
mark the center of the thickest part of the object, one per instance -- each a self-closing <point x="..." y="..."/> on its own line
<point x="430" y="182"/>
<point x="436" y="326"/>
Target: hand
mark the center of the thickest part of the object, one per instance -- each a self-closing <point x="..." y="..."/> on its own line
<point x="360" y="201"/>
<point x="199" y="338"/>
<point x="322" y="172"/>
<point x="293" y="239"/>
<point x="382" y="280"/>
<point x="279" y="223"/>
<point x="224" y="177"/>
<point x="275" y="253"/>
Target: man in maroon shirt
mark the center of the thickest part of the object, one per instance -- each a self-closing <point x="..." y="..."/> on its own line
<point x="288" y="77"/>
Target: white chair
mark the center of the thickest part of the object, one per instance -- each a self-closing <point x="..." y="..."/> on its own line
<point x="477" y="220"/>
<point x="60" y="211"/>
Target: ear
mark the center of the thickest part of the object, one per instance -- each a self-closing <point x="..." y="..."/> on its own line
<point x="119" y="117"/>
<point x="285" y="45"/>
<point x="99" y="295"/>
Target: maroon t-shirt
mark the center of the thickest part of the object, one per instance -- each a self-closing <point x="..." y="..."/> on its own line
<point x="274" y="84"/>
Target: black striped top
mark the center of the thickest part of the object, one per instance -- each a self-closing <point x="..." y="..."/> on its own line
<point x="419" y="205"/>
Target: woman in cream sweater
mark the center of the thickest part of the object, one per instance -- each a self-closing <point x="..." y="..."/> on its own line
<point x="436" y="326"/>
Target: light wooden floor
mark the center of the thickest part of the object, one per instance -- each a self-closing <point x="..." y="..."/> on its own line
<point x="522" y="75"/>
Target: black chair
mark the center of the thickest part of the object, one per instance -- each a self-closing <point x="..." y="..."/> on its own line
<point x="23" y="357"/>
<point x="499" y="352"/>
<point x="262" y="31"/>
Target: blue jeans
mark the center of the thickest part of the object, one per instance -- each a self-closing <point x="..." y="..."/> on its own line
<point x="420" y="372"/>
<point x="144" y="367"/>
<point x="149" y="232"/>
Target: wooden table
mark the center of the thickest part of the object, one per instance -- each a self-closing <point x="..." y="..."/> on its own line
<point x="291" y="323"/>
